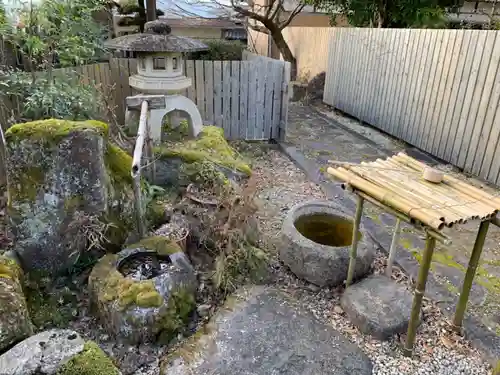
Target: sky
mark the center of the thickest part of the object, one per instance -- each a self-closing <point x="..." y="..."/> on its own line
<point x="193" y="7"/>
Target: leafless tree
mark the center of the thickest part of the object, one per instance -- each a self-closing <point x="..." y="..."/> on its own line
<point x="266" y="16"/>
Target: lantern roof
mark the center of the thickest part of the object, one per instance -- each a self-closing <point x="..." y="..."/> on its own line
<point x="155" y="38"/>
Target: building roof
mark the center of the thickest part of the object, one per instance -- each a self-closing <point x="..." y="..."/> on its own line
<point x="156" y="38"/>
<point x="218" y="23"/>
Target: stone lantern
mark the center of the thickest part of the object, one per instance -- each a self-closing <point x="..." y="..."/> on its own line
<point x="160" y="71"/>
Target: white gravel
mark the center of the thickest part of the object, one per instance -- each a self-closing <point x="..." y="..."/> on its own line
<point x="438" y="351"/>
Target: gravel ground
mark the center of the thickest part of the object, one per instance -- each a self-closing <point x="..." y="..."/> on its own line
<point x="438" y="350"/>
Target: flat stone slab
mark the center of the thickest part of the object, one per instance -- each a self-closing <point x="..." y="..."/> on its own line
<point x="56" y="352"/>
<point x="262" y="331"/>
<point x="378" y="306"/>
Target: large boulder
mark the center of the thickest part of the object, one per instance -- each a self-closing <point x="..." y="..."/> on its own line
<point x="15" y="323"/>
<point x="136" y="302"/>
<point x="262" y="331"/>
<point x="56" y="352"/>
<point x="66" y="183"/>
<point x="316" y="241"/>
<point x="207" y="157"/>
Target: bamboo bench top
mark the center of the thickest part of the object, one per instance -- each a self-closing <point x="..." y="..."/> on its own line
<point x="398" y="182"/>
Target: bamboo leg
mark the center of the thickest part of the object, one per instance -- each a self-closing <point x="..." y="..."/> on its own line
<point x="139" y="213"/>
<point x="423" y="272"/>
<point x="392" y="251"/>
<point x="354" y="246"/>
<point x="469" y="275"/>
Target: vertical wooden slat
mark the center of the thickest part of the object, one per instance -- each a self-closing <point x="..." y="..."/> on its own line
<point x="226" y="99"/>
<point x="235" y="99"/>
<point x="259" y="105"/>
<point x="489" y="141"/>
<point x="392" y="56"/>
<point x="252" y="100"/>
<point x="191" y="91"/>
<point x="218" y="93"/>
<point x="432" y="87"/>
<point x="481" y="98"/>
<point x="200" y="88"/>
<point x="461" y="139"/>
<point x="277" y="87"/>
<point x="424" y="88"/>
<point x="285" y="96"/>
<point x="444" y="93"/>
<point x="244" y="84"/>
<point x="400" y="82"/>
<point x="268" y="98"/>
<point x="208" y="67"/>
<point x="457" y="93"/>
<point x="416" y="40"/>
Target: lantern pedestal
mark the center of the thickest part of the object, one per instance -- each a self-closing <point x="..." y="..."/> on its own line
<point x="176" y="107"/>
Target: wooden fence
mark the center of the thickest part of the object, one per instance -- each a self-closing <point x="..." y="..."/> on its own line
<point x="248" y="99"/>
<point x="436" y="89"/>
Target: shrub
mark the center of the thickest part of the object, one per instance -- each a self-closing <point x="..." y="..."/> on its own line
<point x="219" y="49"/>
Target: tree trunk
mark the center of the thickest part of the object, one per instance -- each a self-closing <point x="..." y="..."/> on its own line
<point x="151" y="10"/>
<point x="285" y="50"/>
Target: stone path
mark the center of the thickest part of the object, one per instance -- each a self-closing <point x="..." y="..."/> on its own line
<point x="315" y="136"/>
<point x="262" y="331"/>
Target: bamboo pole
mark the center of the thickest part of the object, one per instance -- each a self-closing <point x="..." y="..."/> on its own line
<point x="438" y="236"/>
<point x="392" y="251"/>
<point x="459" y="185"/>
<point x="385" y="180"/>
<point x="438" y="197"/>
<point x="423" y="273"/>
<point x="469" y="275"/>
<point x="388" y="198"/>
<point x="136" y="170"/>
<point x="420" y="194"/>
<point x="354" y="246"/>
<point x="476" y="203"/>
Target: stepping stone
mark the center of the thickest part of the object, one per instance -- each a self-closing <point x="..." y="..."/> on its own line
<point x="262" y="331"/>
<point x="378" y="306"/>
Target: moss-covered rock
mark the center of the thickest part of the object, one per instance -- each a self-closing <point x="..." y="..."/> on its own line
<point x="15" y="323"/>
<point x="198" y="158"/>
<point x="56" y="352"/>
<point x="143" y="310"/>
<point x="66" y="183"/>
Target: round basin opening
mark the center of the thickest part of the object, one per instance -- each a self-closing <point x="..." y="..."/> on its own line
<point x="326" y="229"/>
<point x="144" y="266"/>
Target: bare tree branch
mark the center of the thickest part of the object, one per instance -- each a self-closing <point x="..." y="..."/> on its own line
<point x="259" y="28"/>
<point x="292" y="15"/>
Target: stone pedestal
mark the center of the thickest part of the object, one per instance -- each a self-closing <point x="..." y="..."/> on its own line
<point x="378" y="306"/>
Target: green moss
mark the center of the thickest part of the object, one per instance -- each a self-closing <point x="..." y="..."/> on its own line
<point x="54" y="309"/>
<point x="161" y="245"/>
<point x="9" y="269"/>
<point x="119" y="165"/>
<point x="496" y="369"/>
<point x="113" y="286"/>
<point x="155" y="213"/>
<point x="175" y="134"/>
<point x="24" y="186"/>
<point x="149" y="299"/>
<point x="406" y="243"/>
<point x="52" y="130"/>
<point x="91" y="361"/>
<point x="175" y="317"/>
<point x="210" y="145"/>
<point x="490" y="282"/>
